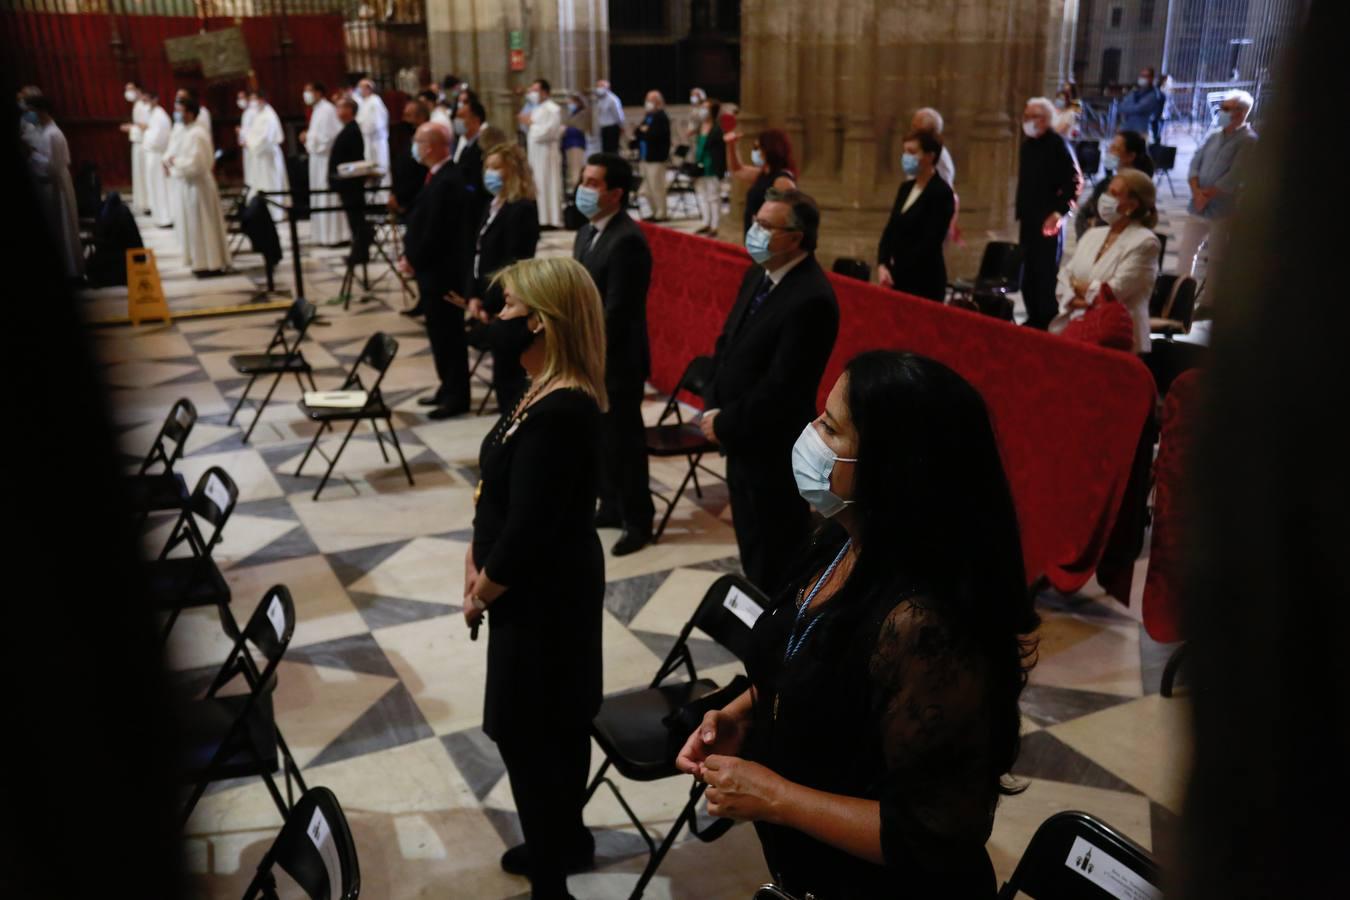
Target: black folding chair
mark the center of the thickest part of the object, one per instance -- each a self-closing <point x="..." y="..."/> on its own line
<point x="852" y="268"/>
<point x="681" y="188"/>
<point x="236" y="736"/>
<point x="1172" y="306"/>
<point x="1089" y="155"/>
<point x="1076" y="856"/>
<point x="1000" y="275"/>
<point x="378" y="354"/>
<point x="166" y="489"/>
<point x="280" y="357"/>
<point x="186" y="582"/>
<point x="1164" y="161"/>
<point x="682" y="438"/>
<point x="315" y="848"/>
<point x="631" y="727"/>
<point x="476" y="336"/>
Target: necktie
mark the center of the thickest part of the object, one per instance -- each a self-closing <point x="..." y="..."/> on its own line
<point x="427" y="180"/>
<point x="761" y="292"/>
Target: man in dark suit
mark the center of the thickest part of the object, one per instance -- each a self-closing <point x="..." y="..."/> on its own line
<point x="350" y="147"/>
<point x="433" y="252"/>
<point x="767" y="368"/>
<point x="468" y="155"/>
<point x="406" y="174"/>
<point x="1048" y="181"/>
<point x="614" y="250"/>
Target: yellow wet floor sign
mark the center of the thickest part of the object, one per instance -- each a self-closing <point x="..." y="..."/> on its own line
<point x="145" y="295"/>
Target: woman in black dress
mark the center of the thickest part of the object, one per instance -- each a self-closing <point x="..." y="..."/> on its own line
<point x="909" y="258"/>
<point x="536" y="566"/>
<point x="771" y="166"/>
<point x="882" y="721"/>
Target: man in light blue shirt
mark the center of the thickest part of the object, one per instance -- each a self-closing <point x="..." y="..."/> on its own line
<point x="608" y="116"/>
<point x="1216" y="183"/>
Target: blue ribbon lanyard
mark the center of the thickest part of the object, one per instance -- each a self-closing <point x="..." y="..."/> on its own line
<point x="795" y="641"/>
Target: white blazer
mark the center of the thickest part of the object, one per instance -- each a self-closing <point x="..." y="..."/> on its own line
<point x="1130" y="266"/>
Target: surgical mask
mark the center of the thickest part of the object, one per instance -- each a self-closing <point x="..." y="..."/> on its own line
<point x="460" y="127"/>
<point x="1223" y="118"/>
<point x="573" y="108"/>
<point x="1110" y="161"/>
<point x="1059" y="103"/>
<point x="588" y="201"/>
<point x="532" y="98"/>
<point x="757" y="157"/>
<point x="417" y="151"/>
<point x="309" y="98"/>
<point x="178" y="117"/>
<point x="812" y="463"/>
<point x="243" y="104"/>
<point x="649" y="106"/>
<point x="702" y="115"/>
<point x="492" y="180"/>
<point x="695" y="101"/>
<point x="757" y="243"/>
<point x="131" y="96"/>
<point x="1143" y="82"/>
<point x="255" y="105"/>
<point x="910" y="163"/>
<point x="1031" y="129"/>
<point x="1108" y="209"/>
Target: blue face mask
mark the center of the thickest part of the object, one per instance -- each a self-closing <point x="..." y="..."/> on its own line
<point x="757" y="157"/>
<point x="910" y="163"/>
<point x="492" y="180"/>
<point x="178" y="117"/>
<point x="588" y="201"/>
<point x="1111" y="162"/>
<point x="757" y="243"/>
<point x="812" y="463"/>
<point x="1223" y="118"/>
<point x="417" y="151"/>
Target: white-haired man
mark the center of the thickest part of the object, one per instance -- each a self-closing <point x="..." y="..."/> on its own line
<point x="1048" y="181"/>
<point x="1216" y="182"/>
<point x="928" y="119"/>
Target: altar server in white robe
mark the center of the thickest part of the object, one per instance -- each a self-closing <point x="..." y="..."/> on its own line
<point x="265" y="138"/>
<point x="135" y="129"/>
<point x="545" y="151"/>
<point x="373" y="118"/>
<point x="246" y="115"/>
<point x="326" y="228"/>
<point x="197" y="218"/>
<point x="63" y="214"/>
<point x="156" y="146"/>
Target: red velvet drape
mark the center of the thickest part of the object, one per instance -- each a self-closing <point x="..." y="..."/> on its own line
<point x="1068" y="415"/>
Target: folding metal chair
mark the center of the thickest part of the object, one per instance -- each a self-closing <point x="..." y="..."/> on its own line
<point x="1164" y="161"/>
<point x="236" y="736"/>
<point x="1172" y="306"/>
<point x="379" y="354"/>
<point x="631" y="727"/>
<point x="682" y="438"/>
<point x="186" y="582"/>
<point x="680" y="191"/>
<point x="1000" y="275"/>
<point x="1089" y="154"/>
<point x="476" y="336"/>
<point x="315" y="848"/>
<point x="153" y="491"/>
<point x="1076" y="856"/>
<point x="280" y="357"/>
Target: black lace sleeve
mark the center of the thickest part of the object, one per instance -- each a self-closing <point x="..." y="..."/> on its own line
<point x="938" y="798"/>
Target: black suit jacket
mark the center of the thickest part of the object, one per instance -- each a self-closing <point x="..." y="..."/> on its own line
<point x="512" y="236"/>
<point x="348" y="147"/>
<point x="1048" y="178"/>
<point x="406" y="174"/>
<point x="767" y="367"/>
<point x="911" y="245"/>
<point x="435" y="242"/>
<point x="620" y="263"/>
<point x="657" y="136"/>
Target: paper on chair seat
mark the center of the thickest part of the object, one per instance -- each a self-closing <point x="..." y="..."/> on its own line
<point x="336" y="399"/>
<point x="360" y="169"/>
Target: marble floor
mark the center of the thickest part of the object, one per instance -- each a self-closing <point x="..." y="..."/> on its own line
<point x="380" y="693"/>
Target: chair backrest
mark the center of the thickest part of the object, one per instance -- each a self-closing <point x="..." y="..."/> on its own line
<point x="852" y="268"/>
<point x="727" y="614"/>
<point x="1089" y="155"/>
<point x="1002" y="261"/>
<point x="378" y="354"/>
<point x="269" y="629"/>
<point x="315" y="848"/>
<point x="1162" y="249"/>
<point x="1162" y="295"/>
<point x="1075" y="856"/>
<point x="300" y="316"/>
<point x="1183" y="302"/>
<point x="177" y="426"/>
<point x="1164" y="158"/>
<point x="772" y="892"/>
<point x="696" y="378"/>
<point x="213" y="499"/>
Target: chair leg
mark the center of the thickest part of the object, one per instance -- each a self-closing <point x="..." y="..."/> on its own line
<point x="375" y="424"/>
<point x="693" y="468"/>
<point x="242" y="397"/>
<point x="484" y="402"/>
<point x="660" y="854"/>
<point x="276" y="795"/>
<point x="257" y="413"/>
<point x="1169" y="675"/>
<point x="398" y="448"/>
<point x="670" y="503"/>
<point x="332" y="464"/>
<point x="312" y="444"/>
<point x="168" y="626"/>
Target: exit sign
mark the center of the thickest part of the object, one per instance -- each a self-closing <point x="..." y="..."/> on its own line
<point x="517" y="40"/>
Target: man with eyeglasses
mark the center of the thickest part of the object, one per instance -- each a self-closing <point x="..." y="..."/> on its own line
<point x="767" y="368"/>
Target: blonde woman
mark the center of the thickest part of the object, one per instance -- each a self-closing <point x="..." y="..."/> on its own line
<point x="536" y="567"/>
<point x="508" y="233"/>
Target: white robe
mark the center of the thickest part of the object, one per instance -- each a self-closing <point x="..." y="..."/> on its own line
<point x="140" y="194"/>
<point x="204" y="123"/>
<point x="63" y="213"/>
<point x="545" y="151"/>
<point x="326" y="228"/>
<point x="373" y="118"/>
<point x="156" y="144"/>
<point x="250" y="158"/>
<point x="1129" y="266"/>
<point x="265" y="138"/>
<point x="197" y="218"/>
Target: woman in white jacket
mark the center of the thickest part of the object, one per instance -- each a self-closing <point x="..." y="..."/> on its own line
<point x="1123" y="254"/>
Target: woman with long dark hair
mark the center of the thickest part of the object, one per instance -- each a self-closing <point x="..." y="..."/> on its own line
<point x="882" y="722"/>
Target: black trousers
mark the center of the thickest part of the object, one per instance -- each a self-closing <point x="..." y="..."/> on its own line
<point x="624" y="487"/>
<point x="354" y="206"/>
<point x="772" y="521"/>
<point x="449" y="350"/>
<point x="1040" y="269"/>
<point x="548" y="774"/>
<point x="609" y="138"/>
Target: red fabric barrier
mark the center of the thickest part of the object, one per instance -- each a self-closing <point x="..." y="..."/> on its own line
<point x="1068" y="415"/>
<point x="1162" y="586"/>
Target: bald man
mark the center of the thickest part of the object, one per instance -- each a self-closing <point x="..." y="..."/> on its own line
<point x="433" y="251"/>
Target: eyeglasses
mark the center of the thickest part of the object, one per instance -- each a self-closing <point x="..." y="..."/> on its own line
<point x="768" y="227"/>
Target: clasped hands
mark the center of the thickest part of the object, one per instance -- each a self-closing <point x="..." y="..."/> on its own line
<point x="479" y="591"/>
<point x="737" y="788"/>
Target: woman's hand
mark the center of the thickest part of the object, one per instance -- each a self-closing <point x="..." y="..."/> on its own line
<point x="476" y="310"/>
<point x="1078" y="303"/>
<point x="884" y="276"/>
<point x="454" y="298"/>
<point x="731" y="137"/>
<point x="743" y="790"/>
<point x="1080" y="287"/>
<point x="720" y="733"/>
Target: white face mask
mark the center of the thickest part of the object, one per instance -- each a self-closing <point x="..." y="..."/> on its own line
<point x="243" y="104"/>
<point x="1144" y="82"/>
<point x="695" y="100"/>
<point x="812" y="463"/>
<point x="131" y="96"/>
<point x="309" y="98"/>
<point x="649" y="106"/>
<point x="702" y="115"/>
<point x="1032" y="128"/>
<point x="1108" y="209"/>
<point x="532" y="98"/>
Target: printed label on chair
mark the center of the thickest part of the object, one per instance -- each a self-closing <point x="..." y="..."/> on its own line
<point x="1109" y="873"/>
<point x="322" y="838"/>
<point x="277" y="616"/>
<point x="745" y="609"/>
<point x="217" y="493"/>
